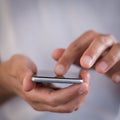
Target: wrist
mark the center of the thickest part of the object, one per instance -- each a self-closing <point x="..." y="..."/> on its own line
<point x="5" y="91"/>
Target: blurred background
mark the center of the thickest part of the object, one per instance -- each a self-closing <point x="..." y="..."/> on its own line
<point x="36" y="27"/>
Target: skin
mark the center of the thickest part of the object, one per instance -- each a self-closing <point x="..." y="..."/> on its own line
<point x="15" y="79"/>
<point x="91" y="50"/>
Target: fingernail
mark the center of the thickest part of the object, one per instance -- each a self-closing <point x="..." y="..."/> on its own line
<point x="102" y="66"/>
<point x="87" y="60"/>
<point x="117" y="78"/>
<point x="59" y="69"/>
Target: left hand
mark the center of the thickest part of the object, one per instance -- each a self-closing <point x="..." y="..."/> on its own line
<point x="16" y="78"/>
<point x="92" y="49"/>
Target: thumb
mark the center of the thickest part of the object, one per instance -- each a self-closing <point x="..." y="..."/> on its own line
<point x="28" y="84"/>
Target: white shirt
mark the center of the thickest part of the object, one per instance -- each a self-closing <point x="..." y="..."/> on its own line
<point x="36" y="28"/>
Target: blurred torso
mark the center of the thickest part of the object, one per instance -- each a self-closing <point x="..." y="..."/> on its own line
<point x="36" y="28"/>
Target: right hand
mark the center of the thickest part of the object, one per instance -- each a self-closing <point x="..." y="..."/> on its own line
<point x="91" y="50"/>
<point x="15" y="76"/>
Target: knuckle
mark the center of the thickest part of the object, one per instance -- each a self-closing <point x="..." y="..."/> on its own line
<point x="91" y="31"/>
<point x="104" y="40"/>
<point x="16" y="57"/>
<point x="111" y="37"/>
<point x="76" y="45"/>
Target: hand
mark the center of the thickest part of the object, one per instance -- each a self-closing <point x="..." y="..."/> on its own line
<point x="92" y="49"/>
<point x="15" y="76"/>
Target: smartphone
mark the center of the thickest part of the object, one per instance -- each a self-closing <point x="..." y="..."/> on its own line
<point x="50" y="77"/>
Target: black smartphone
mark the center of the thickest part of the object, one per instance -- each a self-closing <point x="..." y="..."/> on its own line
<point x="51" y="77"/>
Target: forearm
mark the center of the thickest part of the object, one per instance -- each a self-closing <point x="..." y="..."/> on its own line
<point x="5" y="93"/>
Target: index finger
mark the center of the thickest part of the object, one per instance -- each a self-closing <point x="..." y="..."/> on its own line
<point x="74" y="50"/>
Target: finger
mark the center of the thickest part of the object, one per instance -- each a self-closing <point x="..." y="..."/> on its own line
<point x="73" y="51"/>
<point x="57" y="53"/>
<point x="70" y="106"/>
<point x="84" y="74"/>
<point x="56" y="97"/>
<point x="95" y="50"/>
<point x="116" y="77"/>
<point x="48" y="85"/>
<point x="108" y="61"/>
